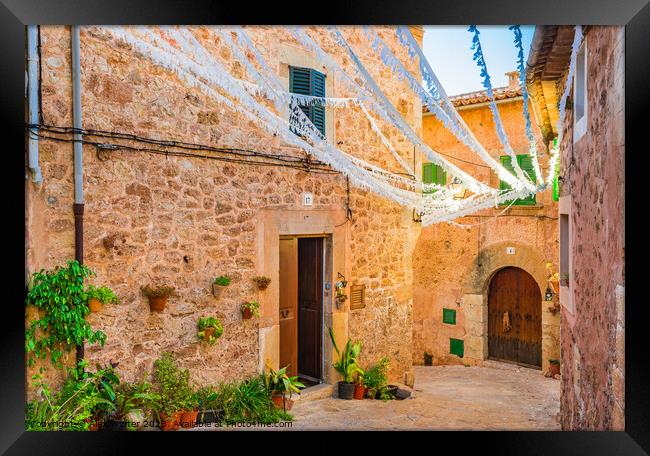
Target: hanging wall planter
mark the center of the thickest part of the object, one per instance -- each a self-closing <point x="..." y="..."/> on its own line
<point x="250" y="309"/>
<point x="209" y="329"/>
<point x="219" y="284"/>
<point x="157" y="297"/>
<point x="262" y="282"/>
<point x="97" y="297"/>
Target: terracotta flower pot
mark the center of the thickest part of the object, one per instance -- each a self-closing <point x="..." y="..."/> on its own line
<point x="346" y="390"/>
<point x="246" y="313"/>
<point x="95" y="305"/>
<point x="188" y="419"/>
<point x="157" y="303"/>
<point x="554" y="369"/>
<point x="170" y="422"/>
<point x="217" y="290"/>
<point x="209" y="332"/>
<point x="359" y="391"/>
<point x="282" y="402"/>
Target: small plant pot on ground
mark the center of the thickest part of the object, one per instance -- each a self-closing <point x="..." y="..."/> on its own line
<point x="554" y="369"/>
<point x="359" y="392"/>
<point x="246" y="313"/>
<point x="371" y="393"/>
<point x="209" y="416"/>
<point x="188" y="419"/>
<point x="392" y="389"/>
<point x="170" y="422"/>
<point x="428" y="359"/>
<point x="282" y="402"/>
<point x="95" y="305"/>
<point x="346" y="390"/>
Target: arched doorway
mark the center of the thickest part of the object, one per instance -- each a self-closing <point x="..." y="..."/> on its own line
<point x="515" y="318"/>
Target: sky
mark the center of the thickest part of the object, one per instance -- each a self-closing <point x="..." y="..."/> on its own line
<point x="447" y="48"/>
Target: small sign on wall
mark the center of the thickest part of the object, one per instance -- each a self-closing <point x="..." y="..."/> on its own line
<point x="510" y="250"/>
<point x="307" y="199"/>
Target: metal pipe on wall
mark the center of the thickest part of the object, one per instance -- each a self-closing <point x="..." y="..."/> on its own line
<point x="78" y="206"/>
<point x="32" y="101"/>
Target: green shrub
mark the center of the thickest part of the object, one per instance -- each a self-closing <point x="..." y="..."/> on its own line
<point x="253" y="306"/>
<point x="104" y="294"/>
<point x="134" y="396"/>
<point x="172" y="385"/>
<point x="59" y="294"/>
<point x="223" y="281"/>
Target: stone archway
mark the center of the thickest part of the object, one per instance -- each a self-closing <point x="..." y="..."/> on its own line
<point x="475" y="285"/>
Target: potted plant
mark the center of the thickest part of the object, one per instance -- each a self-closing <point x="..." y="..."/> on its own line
<point x="97" y="297"/>
<point x="210" y="329"/>
<point x="132" y="400"/>
<point x="219" y="284"/>
<point x="250" y="309"/>
<point x="209" y="410"/>
<point x="554" y="367"/>
<point x="157" y="296"/>
<point x="564" y="279"/>
<point x="375" y="378"/>
<point x="428" y="359"/>
<point x="172" y="384"/>
<point x="262" y="282"/>
<point x="278" y="383"/>
<point x="359" y="386"/>
<point x="346" y="366"/>
<point x="189" y="408"/>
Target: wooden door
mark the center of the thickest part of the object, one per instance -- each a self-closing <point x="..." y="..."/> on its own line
<point x="310" y="305"/>
<point x="514" y="292"/>
<point x="289" y="304"/>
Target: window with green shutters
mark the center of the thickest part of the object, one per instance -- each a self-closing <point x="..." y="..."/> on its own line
<point x="449" y="316"/>
<point x="433" y="174"/>
<point x="526" y="164"/>
<point x="457" y="347"/>
<point x="307" y="81"/>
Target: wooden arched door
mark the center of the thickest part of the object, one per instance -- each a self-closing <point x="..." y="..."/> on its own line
<point x="515" y="318"/>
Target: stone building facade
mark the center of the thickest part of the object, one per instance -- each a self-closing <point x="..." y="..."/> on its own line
<point x="592" y="216"/>
<point x="183" y="221"/>
<point x="453" y="265"/>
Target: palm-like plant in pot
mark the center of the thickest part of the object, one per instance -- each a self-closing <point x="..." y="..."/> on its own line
<point x="133" y="401"/>
<point x="278" y="383"/>
<point x="346" y="365"/>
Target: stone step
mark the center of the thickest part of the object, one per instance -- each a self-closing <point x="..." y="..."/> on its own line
<point x="314" y="393"/>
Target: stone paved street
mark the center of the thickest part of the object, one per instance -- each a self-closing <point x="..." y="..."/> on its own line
<point x="496" y="397"/>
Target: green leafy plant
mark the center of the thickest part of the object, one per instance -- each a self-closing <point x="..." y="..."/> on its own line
<point x="103" y="294"/>
<point x="207" y="398"/>
<point x="84" y="399"/>
<point x="278" y="382"/>
<point x="375" y="377"/>
<point x="223" y="281"/>
<point x="248" y="401"/>
<point x="171" y="383"/>
<point x="133" y="396"/>
<point x="347" y="364"/>
<point x="205" y="334"/>
<point x="158" y="291"/>
<point x="60" y="296"/>
<point x="253" y="306"/>
<point x="554" y="361"/>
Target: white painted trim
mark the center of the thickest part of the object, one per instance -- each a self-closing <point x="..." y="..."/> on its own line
<point x="580" y="127"/>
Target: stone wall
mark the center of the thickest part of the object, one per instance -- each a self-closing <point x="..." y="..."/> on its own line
<point x="592" y="168"/>
<point x="182" y="221"/>
<point x="449" y="257"/>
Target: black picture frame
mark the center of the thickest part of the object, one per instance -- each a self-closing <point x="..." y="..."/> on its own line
<point x="634" y="14"/>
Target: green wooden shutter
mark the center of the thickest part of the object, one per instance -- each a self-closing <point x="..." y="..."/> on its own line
<point x="318" y="90"/>
<point x="526" y="164"/>
<point x="449" y="316"/>
<point x="457" y="347"/>
<point x="433" y="174"/>
<point x="306" y="81"/>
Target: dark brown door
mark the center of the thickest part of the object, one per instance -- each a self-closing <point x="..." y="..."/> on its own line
<point x="310" y="305"/>
<point x="515" y="318"/>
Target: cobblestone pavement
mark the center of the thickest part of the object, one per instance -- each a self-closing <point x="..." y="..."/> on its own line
<point x="493" y="397"/>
